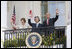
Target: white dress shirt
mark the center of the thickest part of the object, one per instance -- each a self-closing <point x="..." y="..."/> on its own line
<point x="37" y="24"/>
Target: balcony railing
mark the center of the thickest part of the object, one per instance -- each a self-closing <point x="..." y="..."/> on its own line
<point x="51" y="37"/>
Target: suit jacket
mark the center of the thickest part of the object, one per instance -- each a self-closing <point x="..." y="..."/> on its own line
<point x="51" y="21"/>
<point x="34" y="29"/>
<point x="50" y="26"/>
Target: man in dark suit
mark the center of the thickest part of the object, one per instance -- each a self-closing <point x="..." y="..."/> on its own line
<point x="35" y="26"/>
<point x="49" y="22"/>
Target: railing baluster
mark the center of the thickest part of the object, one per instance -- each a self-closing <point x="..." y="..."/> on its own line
<point x="25" y="37"/>
<point x="62" y="39"/>
<point x="52" y="37"/>
<point x="9" y="38"/>
<point x="18" y="39"/>
<point x="49" y="39"/>
<point x="58" y="37"/>
<point x="4" y="39"/>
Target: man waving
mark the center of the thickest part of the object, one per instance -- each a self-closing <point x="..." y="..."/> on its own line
<point x="35" y="26"/>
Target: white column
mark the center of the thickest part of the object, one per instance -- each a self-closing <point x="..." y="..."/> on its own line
<point x="37" y="9"/>
<point x="68" y="30"/>
<point x="3" y="20"/>
<point x="68" y="45"/>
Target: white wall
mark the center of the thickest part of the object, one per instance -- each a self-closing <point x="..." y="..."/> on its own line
<point x="68" y="36"/>
<point x="68" y="21"/>
<point x="3" y="20"/>
<point x="3" y="13"/>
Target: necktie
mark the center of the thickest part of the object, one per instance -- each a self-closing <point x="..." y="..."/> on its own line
<point x="47" y="21"/>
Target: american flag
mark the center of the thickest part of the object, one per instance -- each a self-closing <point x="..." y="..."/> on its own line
<point x="14" y="16"/>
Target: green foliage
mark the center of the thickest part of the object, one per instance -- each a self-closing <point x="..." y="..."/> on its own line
<point x="21" y="42"/>
<point x="49" y="40"/>
<point x="11" y="43"/>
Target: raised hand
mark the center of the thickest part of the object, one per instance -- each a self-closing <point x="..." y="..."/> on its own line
<point x="57" y="11"/>
<point x="30" y="14"/>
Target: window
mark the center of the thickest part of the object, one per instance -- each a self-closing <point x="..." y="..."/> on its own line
<point x="50" y="7"/>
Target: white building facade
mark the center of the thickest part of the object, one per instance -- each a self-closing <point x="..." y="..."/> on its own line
<point x="22" y="11"/>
